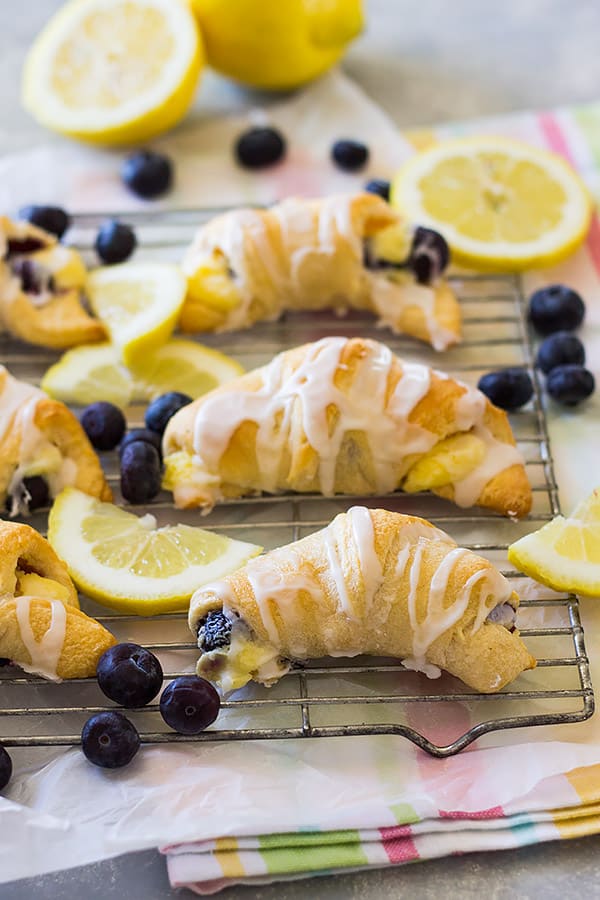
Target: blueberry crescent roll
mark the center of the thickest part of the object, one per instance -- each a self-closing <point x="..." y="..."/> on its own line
<point x="43" y="448"/>
<point x="344" y="416"/>
<point x="373" y="582"/>
<point x="340" y="252"/>
<point x="42" y="629"/>
<point x="41" y="286"/>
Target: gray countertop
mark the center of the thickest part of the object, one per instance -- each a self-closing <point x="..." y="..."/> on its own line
<point x="424" y="61"/>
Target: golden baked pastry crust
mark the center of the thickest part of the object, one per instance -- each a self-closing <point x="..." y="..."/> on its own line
<point x="373" y="582"/>
<point x="309" y="255"/>
<point x="373" y="456"/>
<point x="22" y="548"/>
<point x="57" y="320"/>
<point x="39" y="415"/>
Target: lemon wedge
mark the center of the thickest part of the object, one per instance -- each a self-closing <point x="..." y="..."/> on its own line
<point x="93" y="372"/>
<point x="129" y="563"/>
<point x="114" y="71"/>
<point x="565" y="553"/>
<point x="501" y="204"/>
<point x="139" y="303"/>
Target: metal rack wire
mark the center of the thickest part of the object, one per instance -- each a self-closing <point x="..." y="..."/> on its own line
<point x="362" y="696"/>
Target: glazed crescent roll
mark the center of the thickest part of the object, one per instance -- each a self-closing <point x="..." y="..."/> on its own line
<point x="372" y="583"/>
<point x="344" y="415"/>
<point x="42" y="629"/>
<point x="41" y="289"/>
<point x="341" y="252"/>
<point x="43" y="449"/>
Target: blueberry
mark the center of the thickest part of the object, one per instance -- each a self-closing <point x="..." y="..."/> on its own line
<point x="109" y="740"/>
<point x="350" y="155"/>
<point x="104" y="424"/>
<point x="50" y="218"/>
<point x="164" y="408"/>
<point x="140" y="472"/>
<point x="5" y="768"/>
<point x="507" y="388"/>
<point x="556" y="308"/>
<point x="429" y="255"/>
<point x="38" y="491"/>
<point x="378" y="186"/>
<point x="560" y="349"/>
<point x="258" y="148"/>
<point x="31" y="493"/>
<point x="570" y="385"/>
<point x="115" y="241"/>
<point x="147" y="174"/>
<point x="35" y="279"/>
<point x="189" y="704"/>
<point x="129" y="675"/>
<point x="214" y="631"/>
<point x="141" y="434"/>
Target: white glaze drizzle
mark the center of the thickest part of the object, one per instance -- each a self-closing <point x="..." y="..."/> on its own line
<point x="363" y="536"/>
<point x="470" y="414"/>
<point x="45" y="653"/>
<point x="365" y="407"/>
<point x="437" y="618"/>
<point x="281" y="587"/>
<point x="243" y="236"/>
<point x="15" y="397"/>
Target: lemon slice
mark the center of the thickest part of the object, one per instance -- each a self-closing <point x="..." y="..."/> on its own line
<point x="114" y="71"/>
<point x="87" y="374"/>
<point x="565" y="553"/>
<point x="501" y="204"/>
<point x="128" y="563"/>
<point x="93" y="372"/>
<point x="139" y="303"/>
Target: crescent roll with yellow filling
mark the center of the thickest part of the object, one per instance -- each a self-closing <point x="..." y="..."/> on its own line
<point x="42" y="629"/>
<point x="41" y="289"/>
<point x="340" y="252"/>
<point x="372" y="583"/>
<point x="43" y="449"/>
<point x="345" y="416"/>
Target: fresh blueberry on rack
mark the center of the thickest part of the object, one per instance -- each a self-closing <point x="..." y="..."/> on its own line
<point x="214" y="631"/>
<point x="189" y="704"/>
<point x="260" y="147"/>
<point x="556" y="308"/>
<point x="378" y="186"/>
<point x="164" y="408"/>
<point x="5" y="768"/>
<point x="109" y="740"/>
<point x="141" y="434"/>
<point x="147" y="173"/>
<point x="50" y="218"/>
<point x="429" y="255"/>
<point x="507" y="388"/>
<point x="570" y="385"/>
<point x="129" y="674"/>
<point x="115" y="241"/>
<point x="140" y="472"/>
<point x="560" y="349"/>
<point x="104" y="424"/>
<point x="351" y="156"/>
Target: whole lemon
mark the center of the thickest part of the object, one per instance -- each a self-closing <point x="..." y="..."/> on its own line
<point x="276" y="44"/>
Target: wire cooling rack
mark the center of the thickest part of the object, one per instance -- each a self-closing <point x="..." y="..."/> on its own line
<point x="335" y="697"/>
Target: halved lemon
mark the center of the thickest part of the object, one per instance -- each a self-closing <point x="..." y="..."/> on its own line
<point x="565" y="553"/>
<point x="129" y="563"/>
<point x="502" y="205"/>
<point x="93" y="372"/>
<point x="114" y="71"/>
<point x="139" y="303"/>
